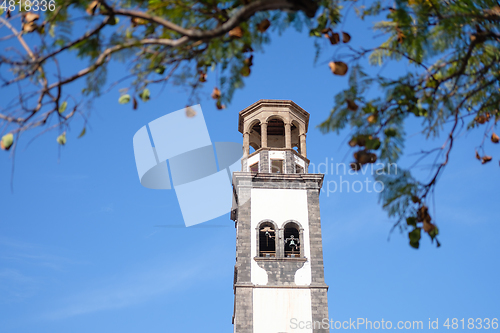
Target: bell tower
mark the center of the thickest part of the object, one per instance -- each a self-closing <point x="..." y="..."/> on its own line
<point x="278" y="277"/>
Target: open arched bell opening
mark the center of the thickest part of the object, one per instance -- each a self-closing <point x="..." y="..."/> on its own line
<point x="267" y="240"/>
<point x="255" y="136"/>
<point x="295" y="135"/>
<point x="253" y="147"/>
<point x="276" y="133"/>
<point x="292" y="240"/>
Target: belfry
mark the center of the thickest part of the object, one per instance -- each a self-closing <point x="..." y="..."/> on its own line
<point x="278" y="276"/>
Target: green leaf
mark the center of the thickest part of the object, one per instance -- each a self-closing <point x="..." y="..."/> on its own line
<point x="434" y="232"/>
<point x="124" y="99"/>
<point x="63" y="107"/>
<point x="373" y="144"/>
<point x="419" y="112"/>
<point x="61" y="139"/>
<point x="414" y="238"/>
<point x="149" y="30"/>
<point x="390" y="132"/>
<point x="160" y="70"/>
<point x="315" y="32"/>
<point x="52" y="30"/>
<point x="411" y="221"/>
<point x="144" y="95"/>
<point x="59" y="42"/>
<point x="1" y="11"/>
<point x="82" y="133"/>
<point x="113" y="20"/>
<point x="89" y="47"/>
<point x="7" y="141"/>
<point x="245" y="71"/>
<point x="369" y="108"/>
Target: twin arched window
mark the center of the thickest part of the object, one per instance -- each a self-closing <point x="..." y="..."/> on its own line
<point x="281" y="243"/>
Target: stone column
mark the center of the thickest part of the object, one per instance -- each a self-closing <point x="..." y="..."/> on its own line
<point x="303" y="151"/>
<point x="280" y="243"/>
<point x="263" y="135"/>
<point x="288" y="136"/>
<point x="246" y="144"/>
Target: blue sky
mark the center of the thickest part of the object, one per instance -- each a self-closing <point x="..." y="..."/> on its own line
<point x="84" y="247"/>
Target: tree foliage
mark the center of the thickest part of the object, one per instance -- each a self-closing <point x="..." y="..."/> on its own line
<point x="451" y="49"/>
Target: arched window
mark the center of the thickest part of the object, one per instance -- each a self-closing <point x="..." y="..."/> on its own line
<point x="255" y="136"/>
<point x="295" y="138"/>
<point x="275" y="133"/>
<point x="267" y="240"/>
<point x="253" y="147"/>
<point x="292" y="240"/>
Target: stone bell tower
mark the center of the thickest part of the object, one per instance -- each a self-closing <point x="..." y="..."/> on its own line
<point x="278" y="277"/>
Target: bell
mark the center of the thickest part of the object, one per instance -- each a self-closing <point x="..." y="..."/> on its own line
<point x="292" y="243"/>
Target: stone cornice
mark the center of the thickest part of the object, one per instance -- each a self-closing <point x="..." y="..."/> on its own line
<point x="278" y="180"/>
<point x="263" y="103"/>
<point x="291" y="286"/>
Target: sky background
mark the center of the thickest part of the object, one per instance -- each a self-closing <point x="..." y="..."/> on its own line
<point x="85" y="248"/>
